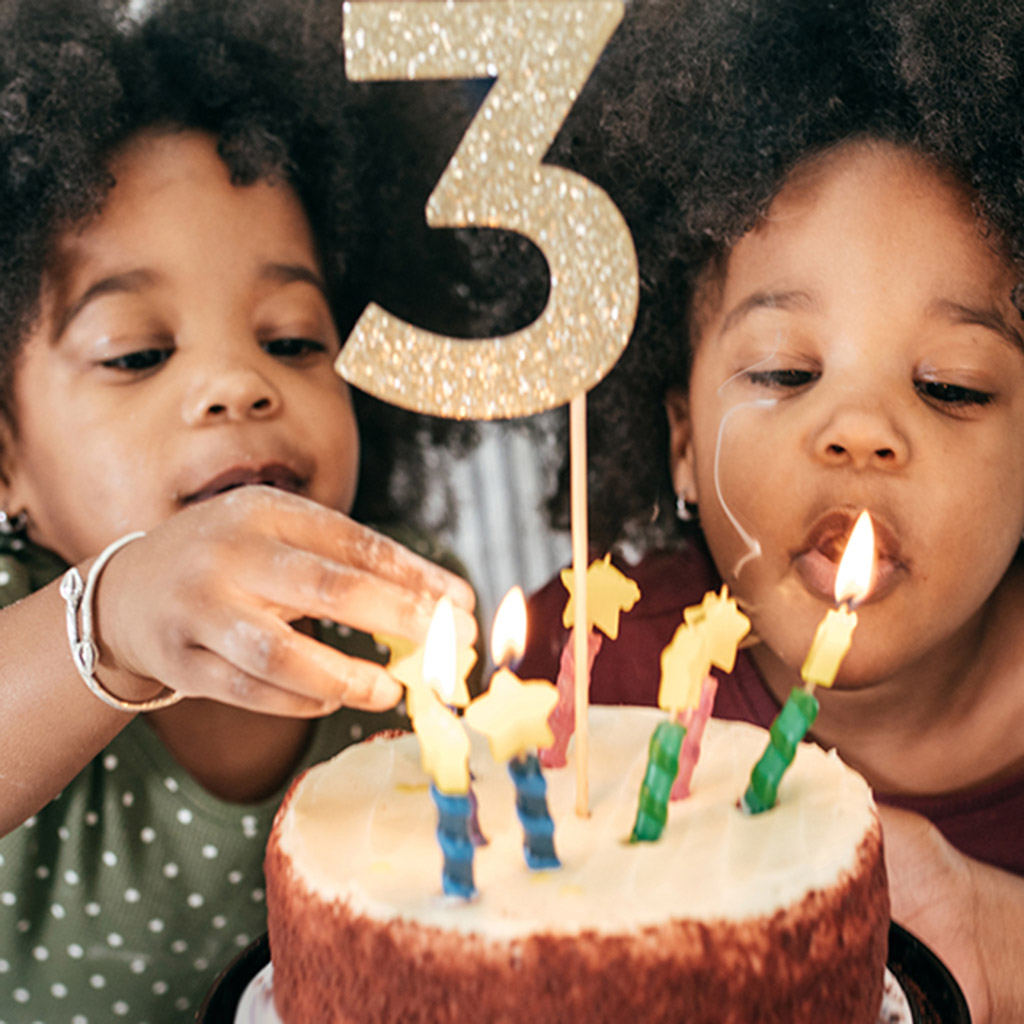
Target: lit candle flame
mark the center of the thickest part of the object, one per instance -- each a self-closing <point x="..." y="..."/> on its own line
<point x="856" y="567"/>
<point x="508" y="634"/>
<point x="439" y="651"/>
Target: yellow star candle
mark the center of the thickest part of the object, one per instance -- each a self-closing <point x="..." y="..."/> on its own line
<point x="444" y="748"/>
<point x="708" y="636"/>
<point x="609" y="594"/>
<point x="405" y="663"/>
<point x="722" y="625"/>
<point x="513" y="715"/>
<point x="831" y="642"/>
<point x="834" y="634"/>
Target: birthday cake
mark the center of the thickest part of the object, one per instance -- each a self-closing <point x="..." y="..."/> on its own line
<point x="729" y="917"/>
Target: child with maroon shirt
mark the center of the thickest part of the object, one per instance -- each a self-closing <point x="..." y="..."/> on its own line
<point x="829" y="216"/>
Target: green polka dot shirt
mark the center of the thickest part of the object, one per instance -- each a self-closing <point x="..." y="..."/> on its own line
<point x="125" y="897"/>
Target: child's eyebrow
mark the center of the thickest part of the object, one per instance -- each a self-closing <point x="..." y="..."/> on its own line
<point x="137" y="280"/>
<point x="990" y="318"/>
<point x="286" y="273"/>
<point x="785" y="300"/>
<point x="130" y="281"/>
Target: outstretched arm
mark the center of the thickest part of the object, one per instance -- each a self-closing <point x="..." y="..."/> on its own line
<point x="204" y="604"/>
<point x="968" y="912"/>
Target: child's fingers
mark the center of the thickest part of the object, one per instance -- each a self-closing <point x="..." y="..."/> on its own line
<point x="311" y="585"/>
<point x="209" y="675"/>
<point x="263" y="664"/>
<point x="304" y="524"/>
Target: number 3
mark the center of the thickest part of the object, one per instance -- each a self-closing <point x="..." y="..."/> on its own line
<point x="541" y="53"/>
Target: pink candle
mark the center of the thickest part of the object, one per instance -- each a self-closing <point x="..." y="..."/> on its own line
<point x="609" y="593"/>
<point x="695" y="721"/>
<point x="563" y="718"/>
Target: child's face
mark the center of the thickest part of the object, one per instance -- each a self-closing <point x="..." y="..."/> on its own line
<point x="861" y="352"/>
<point x="185" y="346"/>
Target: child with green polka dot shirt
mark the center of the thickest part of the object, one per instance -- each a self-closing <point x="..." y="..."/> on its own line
<point x="185" y="236"/>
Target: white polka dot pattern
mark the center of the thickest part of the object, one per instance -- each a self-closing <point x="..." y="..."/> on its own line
<point x="124" y="898"/>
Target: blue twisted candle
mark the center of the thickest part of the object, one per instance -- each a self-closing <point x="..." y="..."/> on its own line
<point x="655" y="790"/>
<point x="454" y="814"/>
<point x="532" y="808"/>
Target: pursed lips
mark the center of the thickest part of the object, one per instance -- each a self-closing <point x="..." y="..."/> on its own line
<point x="817" y="560"/>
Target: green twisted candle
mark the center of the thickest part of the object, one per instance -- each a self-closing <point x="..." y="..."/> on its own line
<point x="662" y="767"/>
<point x="789" y="728"/>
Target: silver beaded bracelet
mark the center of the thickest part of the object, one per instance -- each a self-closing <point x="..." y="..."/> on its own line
<point x="79" y="597"/>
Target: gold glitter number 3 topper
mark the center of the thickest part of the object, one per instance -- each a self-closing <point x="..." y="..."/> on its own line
<point x="541" y="54"/>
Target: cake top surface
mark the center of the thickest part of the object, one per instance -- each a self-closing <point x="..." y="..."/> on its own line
<point x="361" y="829"/>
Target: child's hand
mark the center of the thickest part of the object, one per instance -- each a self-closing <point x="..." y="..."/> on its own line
<point x="203" y="604"/>
<point x="935" y="894"/>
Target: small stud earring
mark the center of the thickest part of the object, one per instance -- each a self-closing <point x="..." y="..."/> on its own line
<point x="686" y="511"/>
<point x="13" y="525"/>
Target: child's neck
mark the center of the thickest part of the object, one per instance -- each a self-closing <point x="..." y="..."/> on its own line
<point x="235" y="754"/>
<point x="950" y="721"/>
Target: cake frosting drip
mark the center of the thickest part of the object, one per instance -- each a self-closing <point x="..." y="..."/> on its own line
<point x="776" y="917"/>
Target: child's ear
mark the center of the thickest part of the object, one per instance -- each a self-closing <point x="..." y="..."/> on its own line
<point x="680" y="446"/>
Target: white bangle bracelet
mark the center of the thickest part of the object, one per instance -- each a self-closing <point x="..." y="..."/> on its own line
<point x="83" y="647"/>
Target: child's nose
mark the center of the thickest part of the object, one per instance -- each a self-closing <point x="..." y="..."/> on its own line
<point x="861" y="437"/>
<point x="232" y="394"/>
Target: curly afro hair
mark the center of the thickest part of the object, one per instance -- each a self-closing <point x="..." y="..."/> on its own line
<point x="266" y="79"/>
<point x="697" y="114"/>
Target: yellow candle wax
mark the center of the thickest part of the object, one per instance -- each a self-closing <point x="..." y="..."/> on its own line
<point x="684" y="663"/>
<point x="835" y="632"/>
<point x="513" y="714"/>
<point x="710" y="635"/>
<point x="444" y="745"/>
<point x="831" y="642"/>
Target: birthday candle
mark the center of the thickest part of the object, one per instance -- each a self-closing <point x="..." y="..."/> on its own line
<point x="513" y="715"/>
<point x="662" y="765"/>
<point x="609" y="593"/>
<point x="695" y="724"/>
<point x="831" y="642"/>
<point x="532" y="808"/>
<point x="444" y="748"/>
<point x="453" y="821"/>
<point x="563" y="717"/>
<point x="708" y="636"/>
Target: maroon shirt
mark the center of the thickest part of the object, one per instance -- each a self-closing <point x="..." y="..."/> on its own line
<point x="986" y="822"/>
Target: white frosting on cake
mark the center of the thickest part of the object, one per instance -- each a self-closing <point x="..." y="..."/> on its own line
<point x="361" y="829"/>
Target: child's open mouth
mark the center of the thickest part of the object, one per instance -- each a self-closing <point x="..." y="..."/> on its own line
<point x="817" y="561"/>
<point x="274" y="475"/>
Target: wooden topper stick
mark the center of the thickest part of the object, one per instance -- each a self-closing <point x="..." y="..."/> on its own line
<point x="580" y="544"/>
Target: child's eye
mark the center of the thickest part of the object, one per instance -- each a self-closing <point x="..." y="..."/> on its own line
<point x="953" y="395"/>
<point x="138" y="362"/>
<point x="293" y="348"/>
<point x="780" y="379"/>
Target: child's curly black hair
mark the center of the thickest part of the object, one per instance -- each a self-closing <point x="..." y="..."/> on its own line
<point x="695" y="116"/>
<point x="266" y="78"/>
